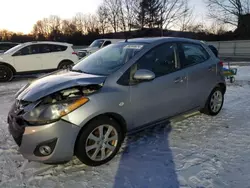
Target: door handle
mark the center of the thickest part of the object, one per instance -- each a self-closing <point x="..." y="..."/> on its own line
<point x="178" y="80"/>
<point x="210" y="68"/>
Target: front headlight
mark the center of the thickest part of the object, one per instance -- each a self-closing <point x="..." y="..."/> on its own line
<point x="48" y="113"/>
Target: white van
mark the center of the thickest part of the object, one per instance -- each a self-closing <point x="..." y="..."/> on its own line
<point x="96" y="45"/>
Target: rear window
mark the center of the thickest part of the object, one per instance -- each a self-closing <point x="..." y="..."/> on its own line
<point x="48" y="48"/>
<point x="59" y="48"/>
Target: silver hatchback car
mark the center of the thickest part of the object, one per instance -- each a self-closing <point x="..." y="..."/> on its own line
<point x="125" y="87"/>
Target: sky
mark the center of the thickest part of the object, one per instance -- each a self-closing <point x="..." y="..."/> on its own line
<point x="21" y="15"/>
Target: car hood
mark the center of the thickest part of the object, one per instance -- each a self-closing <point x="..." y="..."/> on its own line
<point x="90" y="49"/>
<point x="56" y="82"/>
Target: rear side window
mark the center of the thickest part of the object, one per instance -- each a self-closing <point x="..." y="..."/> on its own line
<point x="194" y="54"/>
<point x="48" y="48"/>
<point x="59" y="48"/>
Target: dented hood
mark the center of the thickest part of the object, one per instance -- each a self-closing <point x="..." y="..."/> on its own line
<point x="55" y="82"/>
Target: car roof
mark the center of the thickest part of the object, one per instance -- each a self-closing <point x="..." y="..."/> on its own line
<point x="151" y="40"/>
<point x="108" y="39"/>
<point x="47" y="42"/>
<point x="9" y="43"/>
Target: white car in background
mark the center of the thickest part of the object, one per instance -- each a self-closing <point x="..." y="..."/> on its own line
<point x="96" y="45"/>
<point x="33" y="57"/>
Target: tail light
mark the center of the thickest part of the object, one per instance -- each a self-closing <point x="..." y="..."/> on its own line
<point x="221" y="63"/>
<point x="75" y="53"/>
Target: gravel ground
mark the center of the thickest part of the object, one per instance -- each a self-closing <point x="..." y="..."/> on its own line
<point x="199" y="151"/>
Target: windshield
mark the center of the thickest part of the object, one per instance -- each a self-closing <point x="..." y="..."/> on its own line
<point x="109" y="59"/>
<point x="96" y="43"/>
<point x="13" y="49"/>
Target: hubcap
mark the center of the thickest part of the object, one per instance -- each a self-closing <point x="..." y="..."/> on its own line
<point x="101" y="142"/>
<point x="68" y="66"/>
<point x="216" y="101"/>
<point x="3" y="74"/>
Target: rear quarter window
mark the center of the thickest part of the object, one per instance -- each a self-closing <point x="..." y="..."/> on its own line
<point x="194" y="54"/>
<point x="58" y="48"/>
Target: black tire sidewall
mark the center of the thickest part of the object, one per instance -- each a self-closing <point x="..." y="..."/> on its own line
<point x="210" y="111"/>
<point x="9" y="73"/>
<point x="65" y="63"/>
<point x="80" y="149"/>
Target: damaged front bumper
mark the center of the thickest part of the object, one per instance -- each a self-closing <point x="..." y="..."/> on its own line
<point x="51" y="143"/>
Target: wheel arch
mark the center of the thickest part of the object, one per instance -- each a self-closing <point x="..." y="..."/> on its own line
<point x="115" y="116"/>
<point x="63" y="61"/>
<point x="223" y="86"/>
<point x="8" y="65"/>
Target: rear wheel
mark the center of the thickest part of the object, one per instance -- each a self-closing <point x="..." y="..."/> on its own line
<point x="66" y="65"/>
<point x="214" y="102"/>
<point x="99" y="141"/>
<point x="6" y="74"/>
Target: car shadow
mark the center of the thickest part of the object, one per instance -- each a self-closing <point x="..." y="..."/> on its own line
<point x="147" y="161"/>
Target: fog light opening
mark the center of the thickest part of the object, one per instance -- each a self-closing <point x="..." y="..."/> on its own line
<point x="45" y="150"/>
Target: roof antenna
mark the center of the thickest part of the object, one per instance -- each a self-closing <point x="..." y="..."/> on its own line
<point x="126" y="37"/>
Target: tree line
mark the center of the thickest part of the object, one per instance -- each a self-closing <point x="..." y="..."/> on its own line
<point x="141" y="18"/>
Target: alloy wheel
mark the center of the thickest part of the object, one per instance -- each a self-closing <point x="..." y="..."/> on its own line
<point x="216" y="101"/>
<point x="101" y="142"/>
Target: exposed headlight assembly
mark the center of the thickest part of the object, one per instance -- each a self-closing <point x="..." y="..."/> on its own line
<point x="53" y="107"/>
<point x="48" y="113"/>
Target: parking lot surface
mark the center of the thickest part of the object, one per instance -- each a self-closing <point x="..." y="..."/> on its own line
<point x="197" y="151"/>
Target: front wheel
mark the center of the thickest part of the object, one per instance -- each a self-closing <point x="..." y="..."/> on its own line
<point x="214" y="102"/>
<point x="99" y="141"/>
<point x="6" y="74"/>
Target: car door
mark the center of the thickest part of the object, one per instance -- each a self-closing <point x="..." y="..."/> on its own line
<point x="52" y="55"/>
<point x="164" y="96"/>
<point x="28" y="59"/>
<point x="201" y="72"/>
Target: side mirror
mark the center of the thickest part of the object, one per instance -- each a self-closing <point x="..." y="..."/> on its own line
<point x="144" y="75"/>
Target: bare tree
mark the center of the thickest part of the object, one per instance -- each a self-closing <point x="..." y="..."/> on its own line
<point x="5" y="34"/>
<point x="246" y="6"/>
<point x="102" y="14"/>
<point x="68" y="28"/>
<point x="91" y="23"/>
<point x="216" y="28"/>
<point x="121" y="16"/>
<point x="78" y="21"/>
<point x="140" y="14"/>
<point x="41" y="28"/>
<point x="113" y="10"/>
<point x="54" y="22"/>
<point x="171" y="11"/>
<point x="129" y="12"/>
<point x="187" y="18"/>
<point x="228" y="11"/>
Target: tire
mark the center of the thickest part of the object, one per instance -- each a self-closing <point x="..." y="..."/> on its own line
<point x="83" y="149"/>
<point x="65" y="65"/>
<point x="6" y="74"/>
<point x="210" y="107"/>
